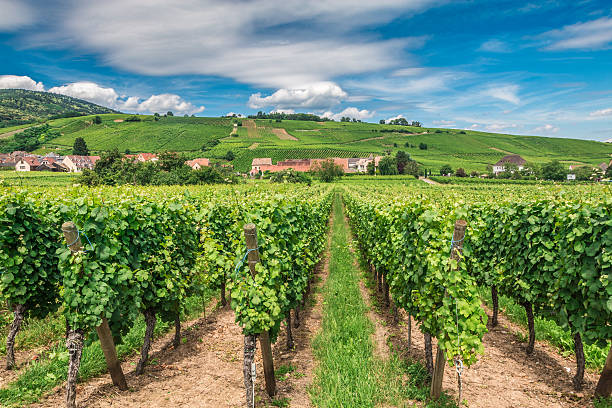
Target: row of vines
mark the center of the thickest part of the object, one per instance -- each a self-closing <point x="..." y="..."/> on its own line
<point x="549" y="251"/>
<point x="145" y="251"/>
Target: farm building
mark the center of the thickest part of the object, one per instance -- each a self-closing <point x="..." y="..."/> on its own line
<point x="500" y="166"/>
<point x="197" y="164"/>
<point x="78" y="163"/>
<point x="27" y="164"/>
<point x="145" y="157"/>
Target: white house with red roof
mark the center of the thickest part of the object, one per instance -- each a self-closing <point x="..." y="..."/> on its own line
<point x="76" y="164"/>
<point x="197" y="164"/>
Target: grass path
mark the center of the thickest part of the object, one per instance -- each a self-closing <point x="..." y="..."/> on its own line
<point x="349" y="372"/>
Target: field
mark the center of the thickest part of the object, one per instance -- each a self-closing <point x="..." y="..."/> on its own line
<point x="214" y="137"/>
<point x="354" y="303"/>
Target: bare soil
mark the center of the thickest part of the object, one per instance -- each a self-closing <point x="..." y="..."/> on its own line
<point x="428" y="181"/>
<point x="253" y="146"/>
<point x="118" y="120"/>
<point x="282" y="134"/>
<point x="500" y="150"/>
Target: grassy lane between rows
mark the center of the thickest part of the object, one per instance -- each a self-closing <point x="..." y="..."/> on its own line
<point x="348" y="373"/>
<point x="39" y="377"/>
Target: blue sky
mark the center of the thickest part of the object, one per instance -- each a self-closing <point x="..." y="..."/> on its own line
<point x="540" y="68"/>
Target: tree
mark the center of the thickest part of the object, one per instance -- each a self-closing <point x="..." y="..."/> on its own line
<point x="387" y="166"/>
<point x="554" y="171"/>
<point x="584" y="173"/>
<point x="401" y="158"/>
<point x="169" y="113"/>
<point x="415" y="123"/>
<point x="79" y="148"/>
<point x="382" y="121"/>
<point x="446" y="170"/>
<point x="609" y="172"/>
<point x="412" y="168"/>
<point x="327" y="170"/>
<point x="170" y="161"/>
<point x="97" y="120"/>
<point x="229" y="156"/>
<point x="422" y="146"/>
<point x="460" y="172"/>
<point x="399" y="121"/>
<point x="371" y="168"/>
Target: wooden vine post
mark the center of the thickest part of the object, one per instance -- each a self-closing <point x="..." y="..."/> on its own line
<point x="438" y="374"/>
<point x="75" y="338"/>
<point x="604" y="385"/>
<point x="250" y="236"/>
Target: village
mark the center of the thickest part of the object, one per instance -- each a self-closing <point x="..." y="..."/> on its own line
<point x="22" y="161"/>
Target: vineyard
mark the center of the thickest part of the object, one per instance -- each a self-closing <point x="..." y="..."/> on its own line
<point x="105" y="261"/>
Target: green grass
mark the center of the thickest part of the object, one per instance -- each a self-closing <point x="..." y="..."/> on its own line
<point x="348" y="374"/>
<point x="13" y="178"/>
<point x="548" y="330"/>
<point x="39" y="377"/>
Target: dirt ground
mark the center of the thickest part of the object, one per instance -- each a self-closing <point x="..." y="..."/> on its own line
<point x="282" y="134"/>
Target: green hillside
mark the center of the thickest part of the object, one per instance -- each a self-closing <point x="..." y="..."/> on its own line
<point x="18" y="106"/>
<point x="214" y="137"/>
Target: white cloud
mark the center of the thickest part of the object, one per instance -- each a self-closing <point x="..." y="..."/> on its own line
<point x="395" y="117"/>
<point x="14" y="14"/>
<point x="351" y="112"/>
<point x="506" y="93"/>
<point x="20" y="82"/>
<point x="89" y="91"/>
<point x="498" y="127"/>
<point x="320" y="95"/>
<point x="601" y="112"/>
<point x="270" y="43"/>
<point x="160" y="103"/>
<point x="494" y="45"/>
<point x="548" y="128"/>
<point x="591" y="35"/>
<point x="444" y="123"/>
<point x="92" y="92"/>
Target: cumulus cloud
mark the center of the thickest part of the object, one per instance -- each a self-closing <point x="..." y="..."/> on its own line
<point x="395" y="117"/>
<point x="89" y="91"/>
<point x="351" y="112"/>
<point x="320" y="95"/>
<point x="271" y="43"/>
<point x="14" y="15"/>
<point x="506" y="93"/>
<point x="601" y="113"/>
<point x="591" y="35"/>
<point x="547" y="128"/>
<point x="20" y="82"/>
<point x="92" y="92"/>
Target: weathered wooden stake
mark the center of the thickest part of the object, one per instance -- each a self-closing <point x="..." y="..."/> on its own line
<point x="386" y="290"/>
<point x="438" y="374"/>
<point x="409" y="331"/>
<point x="177" y="331"/>
<point x="578" y="379"/>
<point x="250" y="236"/>
<point x="604" y="385"/>
<point x="75" y="338"/>
<point x="289" y="333"/>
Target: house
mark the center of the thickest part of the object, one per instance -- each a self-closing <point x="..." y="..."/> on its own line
<point x="27" y="164"/>
<point x="197" y="164"/>
<point x="257" y="164"/>
<point x="511" y="158"/>
<point x="604" y="166"/>
<point x="50" y="164"/>
<point x="145" y="157"/>
<point x="78" y="163"/>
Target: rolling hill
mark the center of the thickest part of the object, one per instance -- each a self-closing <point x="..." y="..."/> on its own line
<point x="18" y="106"/>
<point x="214" y="137"/>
